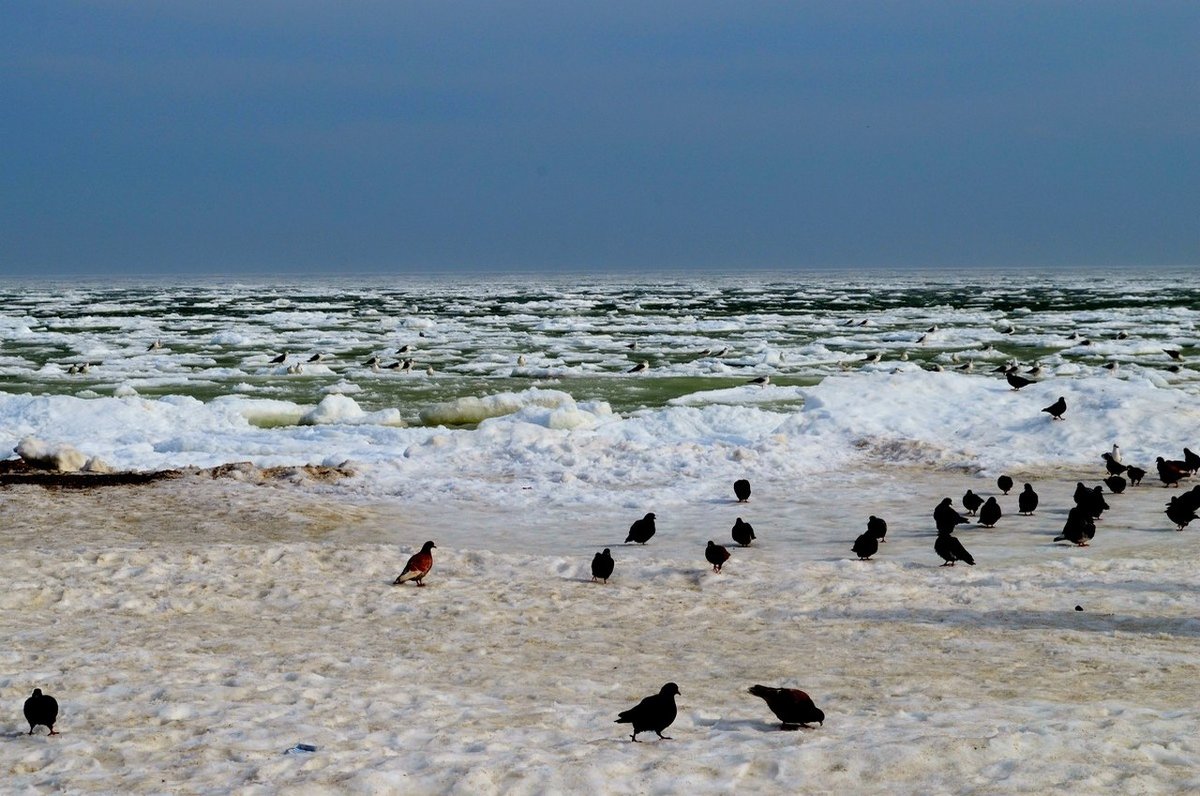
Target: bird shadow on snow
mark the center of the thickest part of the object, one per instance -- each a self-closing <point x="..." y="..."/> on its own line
<point x="727" y="725"/>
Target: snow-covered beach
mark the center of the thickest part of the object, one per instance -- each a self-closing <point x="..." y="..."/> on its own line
<point x="194" y="629"/>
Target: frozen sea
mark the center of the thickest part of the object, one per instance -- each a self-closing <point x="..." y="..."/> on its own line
<point x="195" y="629"/>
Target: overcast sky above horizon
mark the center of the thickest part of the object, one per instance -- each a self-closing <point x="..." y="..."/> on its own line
<point x="315" y="137"/>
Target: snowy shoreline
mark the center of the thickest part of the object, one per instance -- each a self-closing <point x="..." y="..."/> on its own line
<point x="192" y="631"/>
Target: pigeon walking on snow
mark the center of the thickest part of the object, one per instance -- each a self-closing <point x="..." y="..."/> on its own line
<point x="418" y="566"/>
<point x="791" y="706"/>
<point x="653" y="714"/>
<point x="641" y="530"/>
<point x="41" y="709"/>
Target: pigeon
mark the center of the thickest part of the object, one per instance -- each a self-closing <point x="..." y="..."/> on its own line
<point x="1168" y="472"/>
<point x="791" y="706"/>
<point x="418" y="566"/>
<point x="1180" y="513"/>
<point x="951" y="549"/>
<point x="1057" y="408"/>
<point x="1115" y="484"/>
<point x="971" y="502"/>
<point x="279" y="360"/>
<point x="1005" y="483"/>
<point x="639" y="367"/>
<point x="741" y="488"/>
<point x="877" y="527"/>
<point x="1080" y="528"/>
<point x="865" y="546"/>
<point x="1027" y="501"/>
<point x="743" y="532"/>
<point x="1017" y="382"/>
<point x="1191" y="498"/>
<point x="761" y="380"/>
<point x="1136" y="474"/>
<point x="641" y="530"/>
<point x="989" y="513"/>
<point x="653" y="714"/>
<point x="945" y="517"/>
<point x="41" y="709"/>
<point x="602" y="566"/>
<point x="1091" y="500"/>
<point x="1111" y="464"/>
<point x="1192" y="460"/>
<point x="716" y="555"/>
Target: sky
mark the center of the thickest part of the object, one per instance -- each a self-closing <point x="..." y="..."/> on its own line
<point x="432" y="138"/>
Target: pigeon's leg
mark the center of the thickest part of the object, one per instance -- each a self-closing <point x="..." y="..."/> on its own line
<point x="664" y="737"/>
<point x="634" y="737"/>
<point x="53" y="732"/>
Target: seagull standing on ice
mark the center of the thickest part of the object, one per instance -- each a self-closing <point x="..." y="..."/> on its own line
<point x="639" y="367"/>
<point x="763" y="380"/>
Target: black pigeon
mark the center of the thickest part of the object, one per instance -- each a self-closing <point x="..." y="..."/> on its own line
<point x="1027" y="501"/>
<point x="41" y="709"/>
<point x="741" y="488"/>
<point x="865" y="546"/>
<point x="1115" y="484"/>
<point x="1168" y="472"/>
<point x="1017" y="382"/>
<point x="716" y="555"/>
<point x="877" y="527"/>
<point x="1091" y="500"/>
<point x="1080" y="528"/>
<point x="945" y="517"/>
<point x="653" y="714"/>
<point x="951" y="549"/>
<point x="743" y="532"/>
<point x="1005" y="483"/>
<point x="1113" y="466"/>
<point x="989" y="513"/>
<point x="1057" y="408"/>
<point x="1191" y="498"/>
<point x="971" y="502"/>
<point x="1136" y="474"/>
<point x="602" y="566"/>
<point x="791" y="706"/>
<point x="1180" y="513"/>
<point x="641" y="530"/>
<point x="1192" y="460"/>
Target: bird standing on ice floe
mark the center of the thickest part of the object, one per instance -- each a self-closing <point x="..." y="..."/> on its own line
<point x="41" y="709"/>
<point x="1057" y="409"/>
<point x="653" y="714"/>
<point x="716" y="555"/>
<point x="762" y="381"/>
<point x="157" y="344"/>
<point x="865" y="546"/>
<point x="279" y="360"/>
<point x="741" y="488"/>
<point x="639" y="367"/>
<point x="1027" y="501"/>
<point x="1015" y="381"/>
<point x="743" y="532"/>
<point x="791" y="706"/>
<point x="641" y="530"/>
<point x="602" y="566"/>
<point x="418" y="566"/>
<point x="951" y="549"/>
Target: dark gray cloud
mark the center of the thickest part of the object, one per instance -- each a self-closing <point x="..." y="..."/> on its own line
<point x="313" y="137"/>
